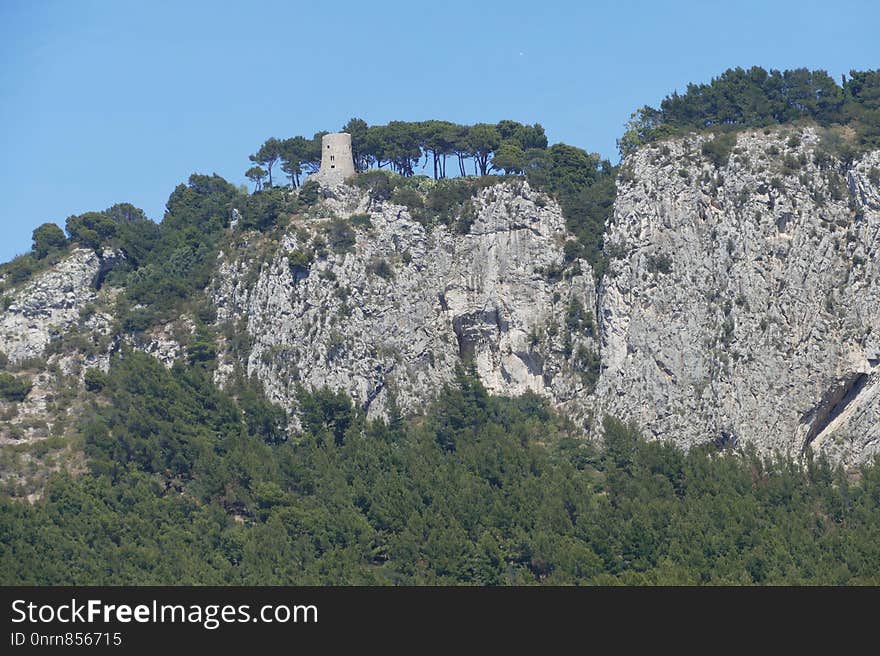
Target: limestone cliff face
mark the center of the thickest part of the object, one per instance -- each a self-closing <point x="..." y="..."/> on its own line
<point x="743" y="303"/>
<point x="740" y="302"/>
<point x="397" y="313"/>
<point x="43" y="309"/>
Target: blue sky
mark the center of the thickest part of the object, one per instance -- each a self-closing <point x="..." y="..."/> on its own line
<point x="105" y="102"/>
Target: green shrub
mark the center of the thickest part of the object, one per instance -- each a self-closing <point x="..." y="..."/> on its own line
<point x="309" y="193"/>
<point x="659" y="263"/>
<point x="588" y="364"/>
<point x="718" y="149"/>
<point x="381" y="268"/>
<point x="377" y="183"/>
<point x="361" y="221"/>
<point x="578" y="319"/>
<point x="94" y="379"/>
<point x="340" y="236"/>
<point x="47" y="238"/>
<point x="14" y="388"/>
<point x="407" y="197"/>
<point x="300" y="261"/>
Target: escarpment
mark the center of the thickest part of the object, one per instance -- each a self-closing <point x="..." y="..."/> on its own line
<point x="742" y="301"/>
<point x="390" y="310"/>
<point x="739" y="304"/>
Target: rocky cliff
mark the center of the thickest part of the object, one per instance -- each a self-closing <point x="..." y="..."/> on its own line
<point x="742" y="301"/>
<point x="739" y="304"/>
<point x="395" y="314"/>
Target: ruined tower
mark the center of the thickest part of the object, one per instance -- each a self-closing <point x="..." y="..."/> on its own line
<point x="336" y="158"/>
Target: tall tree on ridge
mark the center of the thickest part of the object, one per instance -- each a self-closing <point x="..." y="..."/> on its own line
<point x="268" y="155"/>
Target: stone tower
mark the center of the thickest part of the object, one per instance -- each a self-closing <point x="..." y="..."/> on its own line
<point x="336" y="159"/>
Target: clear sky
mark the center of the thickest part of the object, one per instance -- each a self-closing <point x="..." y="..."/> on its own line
<point x="120" y="101"/>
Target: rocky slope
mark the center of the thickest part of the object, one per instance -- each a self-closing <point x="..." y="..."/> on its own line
<point x="740" y="302"/>
<point x="743" y="303"/>
<point x="45" y="308"/>
<point x="397" y="313"/>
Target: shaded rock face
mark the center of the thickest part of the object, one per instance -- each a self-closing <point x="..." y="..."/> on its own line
<point x="743" y="303"/>
<point x="395" y="315"/>
<point x="44" y="308"/>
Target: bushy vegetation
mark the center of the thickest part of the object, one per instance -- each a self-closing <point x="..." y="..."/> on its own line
<point x="583" y="183"/>
<point x="193" y="485"/>
<point x="181" y="261"/>
<point x="741" y="98"/>
<point x="14" y="388"/>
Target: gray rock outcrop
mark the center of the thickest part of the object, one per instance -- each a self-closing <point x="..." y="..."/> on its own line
<point x="743" y="302"/>
<point x="399" y="311"/>
<point x="44" y="308"/>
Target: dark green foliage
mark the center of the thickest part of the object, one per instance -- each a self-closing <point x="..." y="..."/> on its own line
<point x="510" y="158"/>
<point x="261" y="210"/>
<point x="309" y="193"/>
<point x="178" y="424"/>
<point x="407" y="196"/>
<point x="378" y="183"/>
<point x="449" y="197"/>
<point x="91" y="229"/>
<point x="47" y="238"/>
<point x="578" y="319"/>
<point x="185" y="251"/>
<point x="340" y="236"/>
<point x="719" y="148"/>
<point x="587" y="362"/>
<point x="263" y="418"/>
<point x="327" y="415"/>
<point x="659" y="263"/>
<point x="757" y="98"/>
<point x="300" y="261"/>
<point x="20" y="269"/>
<point x="202" y="350"/>
<point x="95" y="380"/>
<point x="585" y="186"/>
<point x="14" y="388"/>
<point x="361" y="221"/>
<point x="192" y="485"/>
<point x="123" y="227"/>
<point x="268" y="155"/>
<point x="381" y="268"/>
<point x="445" y="201"/>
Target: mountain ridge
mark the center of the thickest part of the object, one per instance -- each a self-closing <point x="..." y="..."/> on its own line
<point x="360" y="292"/>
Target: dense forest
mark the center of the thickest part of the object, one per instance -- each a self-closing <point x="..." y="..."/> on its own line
<point x="188" y="483"/>
<point x="191" y="484"/>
